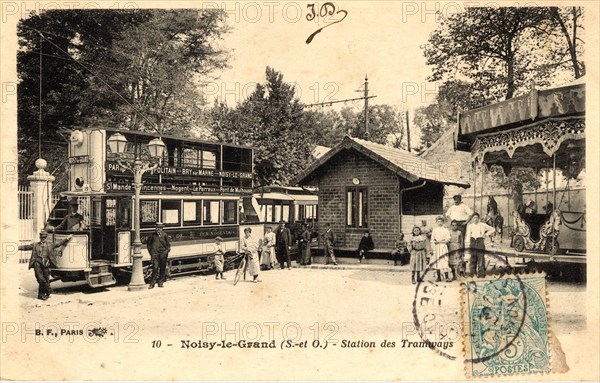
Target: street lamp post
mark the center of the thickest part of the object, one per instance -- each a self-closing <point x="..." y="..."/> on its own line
<point x="117" y="143"/>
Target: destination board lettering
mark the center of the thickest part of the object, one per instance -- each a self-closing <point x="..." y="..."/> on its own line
<point x="114" y="167"/>
<point x="173" y="188"/>
<point x="79" y="159"/>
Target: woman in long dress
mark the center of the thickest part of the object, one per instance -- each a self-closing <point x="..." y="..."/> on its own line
<point x="268" y="249"/>
<point x="418" y="254"/>
<point x="250" y="245"/>
<point x="440" y="236"/>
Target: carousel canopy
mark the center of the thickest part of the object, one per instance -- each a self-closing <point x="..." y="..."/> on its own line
<point x="532" y="130"/>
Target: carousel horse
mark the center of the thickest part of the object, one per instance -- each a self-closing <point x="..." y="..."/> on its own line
<point x="494" y="218"/>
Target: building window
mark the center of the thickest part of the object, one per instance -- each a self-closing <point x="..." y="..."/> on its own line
<point x="357" y="207"/>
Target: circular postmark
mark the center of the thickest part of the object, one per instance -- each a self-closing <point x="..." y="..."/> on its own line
<point x="501" y="308"/>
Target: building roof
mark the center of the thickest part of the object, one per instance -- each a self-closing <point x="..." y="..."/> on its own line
<point x="534" y="106"/>
<point x="319" y="151"/>
<point x="401" y="162"/>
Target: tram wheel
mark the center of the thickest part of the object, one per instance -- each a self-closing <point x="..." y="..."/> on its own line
<point x="519" y="243"/>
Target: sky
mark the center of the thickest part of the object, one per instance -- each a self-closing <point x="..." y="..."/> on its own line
<point x="379" y="39"/>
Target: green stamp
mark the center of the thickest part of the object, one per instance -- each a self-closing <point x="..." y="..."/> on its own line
<point x="507" y="326"/>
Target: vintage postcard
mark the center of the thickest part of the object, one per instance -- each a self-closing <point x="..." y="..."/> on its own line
<point x="299" y="191"/>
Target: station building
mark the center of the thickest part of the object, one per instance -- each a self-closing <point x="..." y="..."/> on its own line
<point x="367" y="186"/>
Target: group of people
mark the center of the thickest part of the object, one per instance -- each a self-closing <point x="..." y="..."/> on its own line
<point x="441" y="248"/>
<point x="269" y="251"/>
<point x="445" y="246"/>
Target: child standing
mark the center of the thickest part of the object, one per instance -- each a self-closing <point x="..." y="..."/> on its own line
<point x="219" y="258"/>
<point x="440" y="236"/>
<point x="455" y="253"/>
<point x="418" y="254"/>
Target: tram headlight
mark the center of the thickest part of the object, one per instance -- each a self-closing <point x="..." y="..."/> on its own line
<point x="79" y="182"/>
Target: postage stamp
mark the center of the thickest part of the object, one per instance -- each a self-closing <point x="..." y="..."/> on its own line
<point x="506" y="325"/>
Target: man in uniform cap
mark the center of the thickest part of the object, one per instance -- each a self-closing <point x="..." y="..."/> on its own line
<point x="73" y="220"/>
<point x="40" y="261"/>
<point x="159" y="246"/>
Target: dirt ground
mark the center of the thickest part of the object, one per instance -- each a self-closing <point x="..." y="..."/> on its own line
<point x="114" y="329"/>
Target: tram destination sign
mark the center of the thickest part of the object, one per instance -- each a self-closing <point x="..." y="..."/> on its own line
<point x="112" y="167"/>
<point x="73" y="160"/>
<point x="174" y="188"/>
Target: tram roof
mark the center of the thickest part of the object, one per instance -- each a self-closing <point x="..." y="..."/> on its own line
<point x="164" y="136"/>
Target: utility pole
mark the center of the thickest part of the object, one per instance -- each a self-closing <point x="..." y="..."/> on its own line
<point x="407" y="132"/>
<point x="365" y="97"/>
<point x="366" y="107"/>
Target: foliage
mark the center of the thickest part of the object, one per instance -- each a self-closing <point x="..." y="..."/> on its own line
<point x="501" y="50"/>
<point x="135" y="69"/>
<point x="271" y="120"/>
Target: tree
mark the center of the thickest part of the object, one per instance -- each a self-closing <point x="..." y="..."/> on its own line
<point x="271" y="120"/>
<point x="326" y="127"/>
<point x="499" y="52"/>
<point x="128" y="68"/>
<point x="569" y="22"/>
<point x="492" y="47"/>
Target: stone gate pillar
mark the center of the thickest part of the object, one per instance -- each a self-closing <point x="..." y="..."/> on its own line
<point x="41" y="186"/>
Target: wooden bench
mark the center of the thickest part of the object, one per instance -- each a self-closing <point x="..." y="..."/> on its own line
<point x="352" y="252"/>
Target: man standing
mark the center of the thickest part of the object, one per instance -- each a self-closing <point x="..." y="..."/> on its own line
<point x="73" y="220"/>
<point x="40" y="262"/>
<point x="328" y="243"/>
<point x="283" y="244"/>
<point x="159" y="247"/>
<point x="461" y="214"/>
<point x="476" y="233"/>
<point x="304" y="246"/>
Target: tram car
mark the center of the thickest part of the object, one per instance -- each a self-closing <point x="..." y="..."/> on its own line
<point x="292" y="205"/>
<point x="196" y="191"/>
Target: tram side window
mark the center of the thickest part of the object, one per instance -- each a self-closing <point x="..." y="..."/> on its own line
<point x="229" y="211"/>
<point x="285" y="213"/>
<point x="210" y="215"/>
<point x="170" y="212"/>
<point x="209" y="159"/>
<point x="111" y="212"/>
<point x="148" y="213"/>
<point x="192" y="213"/>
